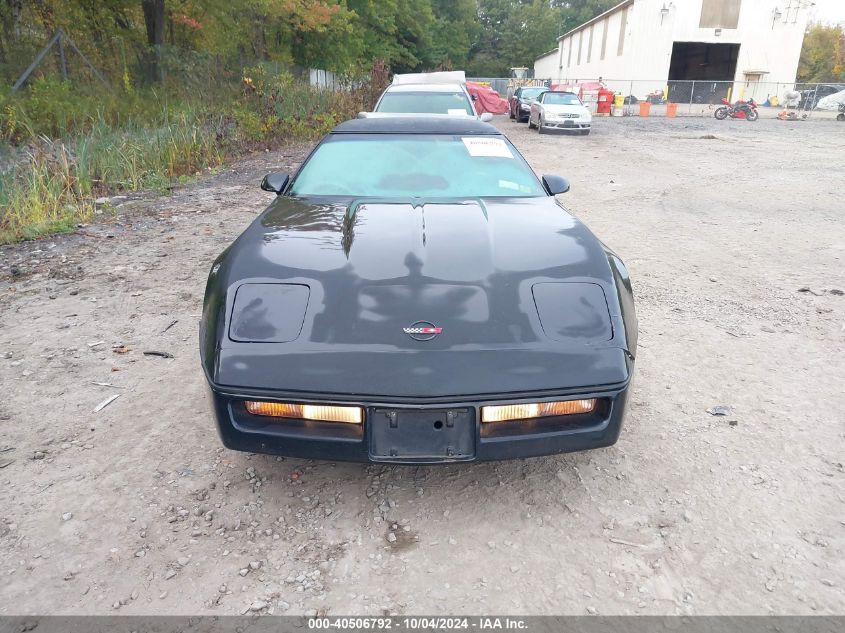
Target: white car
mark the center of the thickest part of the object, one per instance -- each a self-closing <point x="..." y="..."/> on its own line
<point x="560" y="111"/>
<point x="442" y="93"/>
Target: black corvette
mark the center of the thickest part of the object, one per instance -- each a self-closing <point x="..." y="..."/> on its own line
<point x="416" y="294"/>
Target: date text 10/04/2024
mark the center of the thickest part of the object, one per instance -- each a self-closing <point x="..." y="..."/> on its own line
<point x="417" y="623"/>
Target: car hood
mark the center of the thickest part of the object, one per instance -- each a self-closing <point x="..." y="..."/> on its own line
<point x="375" y="268"/>
<point x="555" y="108"/>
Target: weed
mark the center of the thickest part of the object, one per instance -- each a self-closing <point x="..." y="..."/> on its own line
<point x="144" y="139"/>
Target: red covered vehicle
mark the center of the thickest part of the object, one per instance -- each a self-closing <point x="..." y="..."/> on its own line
<point x="486" y="99"/>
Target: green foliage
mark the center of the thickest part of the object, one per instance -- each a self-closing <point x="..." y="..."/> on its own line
<point x="397" y="31"/>
<point x="514" y="33"/>
<point x="280" y="106"/>
<point x="135" y="157"/>
<point x="204" y="38"/>
<point x="53" y="184"/>
<point x="58" y="109"/>
<point x="822" y="55"/>
<point x="453" y="32"/>
<point x="159" y="141"/>
<point x="574" y="13"/>
<point x="185" y="104"/>
<point x="41" y="196"/>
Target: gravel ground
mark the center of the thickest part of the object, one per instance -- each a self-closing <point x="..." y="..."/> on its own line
<point x="734" y="236"/>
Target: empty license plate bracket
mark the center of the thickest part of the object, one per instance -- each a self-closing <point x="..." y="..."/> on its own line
<point x="424" y="435"/>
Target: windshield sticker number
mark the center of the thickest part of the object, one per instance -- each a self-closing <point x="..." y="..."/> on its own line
<point x="455" y="111"/>
<point x="487" y="147"/>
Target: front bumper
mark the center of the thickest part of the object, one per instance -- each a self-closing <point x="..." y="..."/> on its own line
<point x="567" y="124"/>
<point x="360" y="442"/>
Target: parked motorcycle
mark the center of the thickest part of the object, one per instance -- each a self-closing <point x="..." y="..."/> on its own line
<point x="740" y="110"/>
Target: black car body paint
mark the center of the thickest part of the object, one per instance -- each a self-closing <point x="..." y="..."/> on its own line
<point x="312" y="302"/>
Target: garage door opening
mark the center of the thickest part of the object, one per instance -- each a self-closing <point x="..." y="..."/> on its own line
<point x="710" y="66"/>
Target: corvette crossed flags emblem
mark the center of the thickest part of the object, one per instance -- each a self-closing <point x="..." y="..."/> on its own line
<point x="422" y="331"/>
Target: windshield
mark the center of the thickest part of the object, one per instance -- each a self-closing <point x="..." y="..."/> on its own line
<point x="425" y="103"/>
<point x="531" y="93"/>
<point x="561" y="98"/>
<point x="416" y="165"/>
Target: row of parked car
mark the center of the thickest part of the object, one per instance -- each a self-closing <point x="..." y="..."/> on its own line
<point x="446" y="94"/>
<point x="546" y="110"/>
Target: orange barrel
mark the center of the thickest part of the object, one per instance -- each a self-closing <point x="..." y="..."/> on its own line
<point x="671" y="110"/>
<point x="645" y="108"/>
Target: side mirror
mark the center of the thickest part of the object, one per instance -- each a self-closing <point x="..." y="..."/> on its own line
<point x="275" y="182"/>
<point x="486" y="117"/>
<point x="555" y="184"/>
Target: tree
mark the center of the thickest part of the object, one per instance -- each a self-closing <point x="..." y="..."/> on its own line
<point x="453" y="32"/>
<point x="154" y="20"/>
<point x="414" y="21"/>
<point x="535" y="28"/>
<point x="574" y="13"/>
<point x="397" y="31"/>
<point x="514" y="33"/>
<point x="329" y="46"/>
<point x="135" y="39"/>
<point x="822" y="55"/>
<point x="10" y="13"/>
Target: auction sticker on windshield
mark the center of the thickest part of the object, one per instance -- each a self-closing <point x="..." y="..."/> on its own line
<point x="477" y="146"/>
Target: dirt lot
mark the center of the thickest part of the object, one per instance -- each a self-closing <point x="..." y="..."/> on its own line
<point x="735" y="239"/>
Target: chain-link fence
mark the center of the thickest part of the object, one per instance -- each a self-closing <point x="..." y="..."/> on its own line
<point x="659" y="97"/>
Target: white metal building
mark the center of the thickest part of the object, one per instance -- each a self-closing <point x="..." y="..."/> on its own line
<point x="737" y="41"/>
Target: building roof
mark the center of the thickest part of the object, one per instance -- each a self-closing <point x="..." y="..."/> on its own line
<point x="601" y="16"/>
<point x="432" y="124"/>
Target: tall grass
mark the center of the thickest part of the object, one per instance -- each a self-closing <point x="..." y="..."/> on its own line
<point x="136" y="157"/>
<point x="53" y="186"/>
<point x="73" y="147"/>
<point x="42" y="196"/>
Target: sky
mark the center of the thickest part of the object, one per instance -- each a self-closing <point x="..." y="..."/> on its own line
<point x="828" y="11"/>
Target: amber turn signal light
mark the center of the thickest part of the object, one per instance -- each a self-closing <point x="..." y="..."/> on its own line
<point x="320" y="413"/>
<point x="505" y="412"/>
